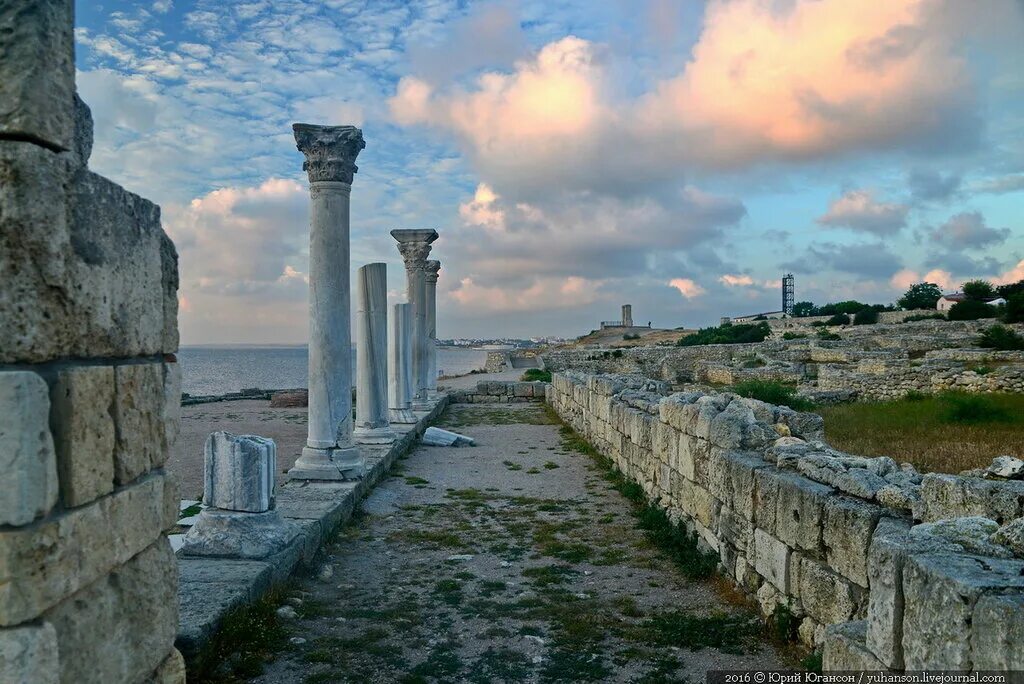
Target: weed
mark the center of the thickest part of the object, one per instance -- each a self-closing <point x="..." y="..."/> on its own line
<point x="772" y="392"/>
<point x="248" y="637"/>
<point x="416" y="481"/>
<point x="550" y="465"/>
<point x="536" y="375"/>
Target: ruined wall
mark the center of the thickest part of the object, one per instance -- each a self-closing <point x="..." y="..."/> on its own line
<point x="89" y="386"/>
<point x="828" y="537"/>
<point x="490" y="391"/>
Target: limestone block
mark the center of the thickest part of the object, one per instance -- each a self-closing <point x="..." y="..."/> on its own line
<point x="42" y="563"/>
<point x="697" y="502"/>
<point x="678" y="411"/>
<point x="139" y="420"/>
<point x="239" y="472"/>
<point x="29" y="654"/>
<point x="801" y="512"/>
<point x="766" y="498"/>
<point x="808" y="426"/>
<point x="849" y="526"/>
<point x="771" y="560"/>
<point x="728" y="428"/>
<point x="952" y="496"/>
<point x="170" y="671"/>
<point x="826" y="596"/>
<point x="997" y="632"/>
<point x="735" y="529"/>
<point x="83" y="432"/>
<point x="233" y="534"/>
<point x="739" y="471"/>
<point x="940" y="592"/>
<point x="689" y="450"/>
<point x="845" y="649"/>
<point x="26" y="449"/>
<point x="968" y="535"/>
<point x="1011" y="535"/>
<point x="37" y="71"/>
<point x="120" y="628"/>
<point x="665" y="443"/>
<point x="172" y="406"/>
<point x="522" y="389"/>
<point x="707" y="409"/>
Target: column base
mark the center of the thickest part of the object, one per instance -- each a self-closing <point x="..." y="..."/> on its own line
<point x="328" y="464"/>
<point x="238" y="534"/>
<point x="401" y="416"/>
<point x="380" y="435"/>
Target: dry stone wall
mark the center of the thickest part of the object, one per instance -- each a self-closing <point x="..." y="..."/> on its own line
<point x="501" y="391"/>
<point x="882" y="567"/>
<point x="89" y="386"/>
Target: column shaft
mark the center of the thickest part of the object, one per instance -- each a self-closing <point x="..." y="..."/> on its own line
<point x="399" y="365"/>
<point x="433" y="267"/>
<point x="414" y="245"/>
<point x="371" y="356"/>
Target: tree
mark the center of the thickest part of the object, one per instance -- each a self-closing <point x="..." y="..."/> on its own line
<point x="1015" y="308"/>
<point x="866" y="316"/>
<point x="979" y="290"/>
<point x="804" y="309"/>
<point x="920" y="296"/>
<point x="850" y="306"/>
<point x="1011" y="289"/>
<point x="971" y="310"/>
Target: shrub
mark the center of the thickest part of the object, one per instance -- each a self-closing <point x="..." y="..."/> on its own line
<point x="914" y="395"/>
<point x="973" y="408"/>
<point x="772" y="392"/>
<point x="1010" y="289"/>
<point x="824" y="334"/>
<point x="924" y="317"/>
<point x="866" y="316"/>
<point x="1001" y="338"/>
<point x="839" y="319"/>
<point x="920" y="296"/>
<point x="847" y="307"/>
<point x="793" y="336"/>
<point x="804" y="309"/>
<point x="979" y="290"/>
<point x="819" y="324"/>
<point x="1015" y="308"/>
<point x="631" y="336"/>
<point x="536" y="375"/>
<point x="981" y="370"/>
<point x="971" y="310"/>
<point x="728" y="334"/>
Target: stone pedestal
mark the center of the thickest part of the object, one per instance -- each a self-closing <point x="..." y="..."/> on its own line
<point x="239" y="490"/>
<point x="433" y="267"/>
<point x="371" y="356"/>
<point x="330" y="453"/>
<point x="399" y="366"/>
<point x="414" y="245"/>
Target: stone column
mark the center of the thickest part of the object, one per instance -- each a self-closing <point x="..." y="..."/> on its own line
<point x="330" y="153"/>
<point x="433" y="267"/>
<point x="400" y="365"/>
<point x="371" y="356"/>
<point x="414" y="245"/>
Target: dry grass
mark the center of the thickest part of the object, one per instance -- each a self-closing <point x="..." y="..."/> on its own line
<point x="924" y="432"/>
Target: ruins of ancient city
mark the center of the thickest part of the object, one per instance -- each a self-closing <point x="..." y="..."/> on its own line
<point x="343" y="407"/>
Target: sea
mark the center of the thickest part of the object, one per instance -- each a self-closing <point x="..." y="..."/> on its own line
<point x="207" y="370"/>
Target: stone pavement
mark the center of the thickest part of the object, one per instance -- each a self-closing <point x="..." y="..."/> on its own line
<point x="512" y="561"/>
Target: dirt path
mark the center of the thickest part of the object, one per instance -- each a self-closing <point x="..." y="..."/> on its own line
<point x="514" y="561"/>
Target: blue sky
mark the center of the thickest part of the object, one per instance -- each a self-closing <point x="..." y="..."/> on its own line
<point x="574" y="156"/>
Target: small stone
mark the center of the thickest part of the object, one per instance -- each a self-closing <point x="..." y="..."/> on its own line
<point x="505" y="564"/>
<point x="293" y="601"/>
<point x="287" y="613"/>
<point x="538" y="659"/>
<point x="783" y="430"/>
<point x="296" y="641"/>
<point x="1011" y="535"/>
<point x="461" y="557"/>
<point x="971" y="534"/>
<point x="1006" y="467"/>
<point x="326" y="573"/>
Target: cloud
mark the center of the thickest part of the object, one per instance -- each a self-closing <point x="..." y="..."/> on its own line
<point x="932" y="186"/>
<point x="736" y="280"/>
<point x="869" y="260"/>
<point x="967" y="230"/>
<point x="1001" y="185"/>
<point x="687" y="287"/>
<point x="859" y="210"/>
<point x="903" y="279"/>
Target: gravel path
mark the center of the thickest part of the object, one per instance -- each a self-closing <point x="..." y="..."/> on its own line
<point x="514" y="561"/>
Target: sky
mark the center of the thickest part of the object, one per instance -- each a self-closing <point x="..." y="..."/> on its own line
<point x="574" y="156"/>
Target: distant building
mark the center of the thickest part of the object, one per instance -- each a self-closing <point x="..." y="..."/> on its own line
<point x="625" y="322"/>
<point x="788" y="294"/>
<point x="750" y="318"/>
<point x="946" y="302"/>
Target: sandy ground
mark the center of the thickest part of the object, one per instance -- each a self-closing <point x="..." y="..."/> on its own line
<point x="512" y="561"/>
<point x="287" y="427"/>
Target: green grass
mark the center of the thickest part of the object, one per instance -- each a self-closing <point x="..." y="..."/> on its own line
<point x="247" y="638"/>
<point x="945" y="433"/>
<point x="772" y="392"/>
<point x="536" y="375"/>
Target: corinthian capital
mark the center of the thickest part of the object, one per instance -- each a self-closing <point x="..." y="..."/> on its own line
<point x="433" y="267"/>
<point x="414" y="246"/>
<point x="330" y="151"/>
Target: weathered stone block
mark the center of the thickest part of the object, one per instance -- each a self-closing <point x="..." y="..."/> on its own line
<point x="766" y="498"/>
<point x="771" y="560"/>
<point x="801" y="512"/>
<point x="885" y="600"/>
<point x="121" y="627"/>
<point x="849" y="525"/>
<point x="665" y="443"/>
<point x="845" y="649"/>
<point x="172" y="406"/>
<point x="26" y="448"/>
<point x="826" y="596"/>
<point x="239" y="473"/>
<point x="83" y="432"/>
<point x="941" y="590"/>
<point x="170" y="671"/>
<point x="29" y="655"/>
<point x="37" y="71"/>
<point x="952" y="496"/>
<point x="139" y="420"/>
<point x="997" y="632"/>
<point x="53" y="558"/>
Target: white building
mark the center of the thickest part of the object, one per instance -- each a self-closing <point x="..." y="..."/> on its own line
<point x="946" y="302"/>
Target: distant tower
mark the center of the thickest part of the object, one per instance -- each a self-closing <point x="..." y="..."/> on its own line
<point x="627" y="315"/>
<point x="788" y="294"/>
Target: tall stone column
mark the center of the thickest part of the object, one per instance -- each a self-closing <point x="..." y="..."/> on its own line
<point x="433" y="267"/>
<point x="330" y="153"/>
<point x="371" y="356"/>
<point x="414" y="245"/>
<point x="400" y="365"/>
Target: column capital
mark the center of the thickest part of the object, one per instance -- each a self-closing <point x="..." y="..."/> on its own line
<point x="414" y="246"/>
<point x="433" y="266"/>
<point x="330" y="151"/>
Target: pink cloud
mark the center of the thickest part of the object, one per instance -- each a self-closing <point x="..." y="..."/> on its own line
<point x="859" y="210"/>
<point x="736" y="280"/>
<point x="687" y="287"/>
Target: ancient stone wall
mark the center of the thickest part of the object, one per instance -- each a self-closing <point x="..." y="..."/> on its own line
<point x="882" y="567"/>
<point x="89" y="386"/>
<point x="490" y="391"/>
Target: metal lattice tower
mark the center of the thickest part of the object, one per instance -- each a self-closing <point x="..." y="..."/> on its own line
<point x="788" y="294"/>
